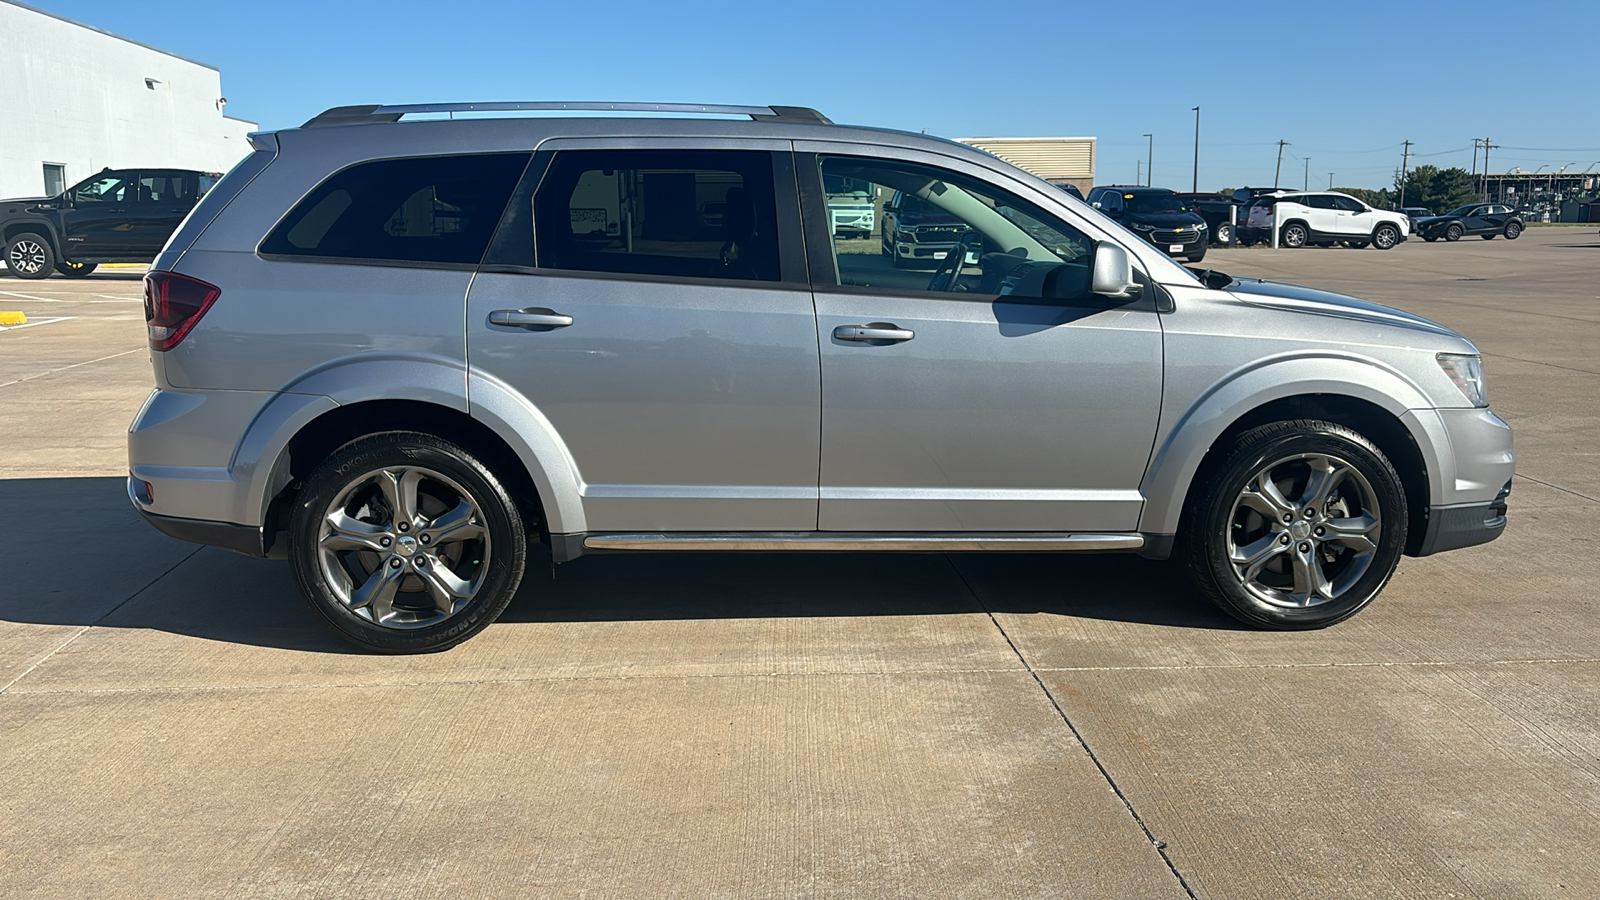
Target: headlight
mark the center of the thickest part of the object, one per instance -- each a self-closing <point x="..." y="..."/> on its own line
<point x="905" y="229"/>
<point x="1201" y="227"/>
<point x="1136" y="226"/>
<point x="1467" y="373"/>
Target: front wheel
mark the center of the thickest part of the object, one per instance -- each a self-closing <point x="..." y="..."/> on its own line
<point x="1385" y="237"/>
<point x="406" y="543"/>
<point x="1300" y="526"/>
<point x="30" y="256"/>
<point x="76" y="270"/>
<point x="1513" y="231"/>
<point x="1454" y="233"/>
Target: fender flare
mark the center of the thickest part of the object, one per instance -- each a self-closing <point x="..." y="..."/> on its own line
<point x="1184" y="446"/>
<point x="261" y="463"/>
<point x="47" y="227"/>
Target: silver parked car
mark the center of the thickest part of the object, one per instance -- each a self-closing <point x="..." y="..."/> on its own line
<point x="398" y="352"/>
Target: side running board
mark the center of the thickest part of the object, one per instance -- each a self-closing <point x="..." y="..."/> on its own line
<point x="842" y="541"/>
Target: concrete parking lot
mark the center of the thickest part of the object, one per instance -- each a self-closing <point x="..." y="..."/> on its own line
<point x="175" y="723"/>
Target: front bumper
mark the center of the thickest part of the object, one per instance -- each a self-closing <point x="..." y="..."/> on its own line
<point x="1454" y="527"/>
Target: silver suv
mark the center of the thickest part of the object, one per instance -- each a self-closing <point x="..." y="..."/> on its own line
<point x="398" y="352"/>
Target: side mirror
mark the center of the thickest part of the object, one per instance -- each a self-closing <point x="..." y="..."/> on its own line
<point x="1113" y="272"/>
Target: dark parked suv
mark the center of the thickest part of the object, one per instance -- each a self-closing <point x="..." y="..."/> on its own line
<point x="1158" y="215"/>
<point x="119" y="215"/>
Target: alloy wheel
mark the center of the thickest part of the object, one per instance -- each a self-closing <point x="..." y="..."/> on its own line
<point x="1304" y="530"/>
<point x="27" y="257"/>
<point x="404" y="547"/>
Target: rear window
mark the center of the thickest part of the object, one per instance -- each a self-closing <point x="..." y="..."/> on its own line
<point x="437" y="209"/>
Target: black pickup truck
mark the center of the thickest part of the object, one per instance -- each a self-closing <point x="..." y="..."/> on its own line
<point x="119" y="215"/>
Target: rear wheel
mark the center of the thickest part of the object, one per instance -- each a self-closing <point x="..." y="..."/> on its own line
<point x="1224" y="233"/>
<point x="1295" y="235"/>
<point x="406" y="543"/>
<point x="1429" y="239"/>
<point x="1513" y="230"/>
<point x="1454" y="233"/>
<point x="29" y="255"/>
<point x="1300" y="526"/>
<point x="1385" y="237"/>
<point x="76" y="270"/>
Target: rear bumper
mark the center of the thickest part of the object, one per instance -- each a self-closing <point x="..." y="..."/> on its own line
<point x="243" y="539"/>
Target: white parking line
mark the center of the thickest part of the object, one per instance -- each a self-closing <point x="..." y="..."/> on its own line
<point x="34" y="322"/>
<point x="65" y="368"/>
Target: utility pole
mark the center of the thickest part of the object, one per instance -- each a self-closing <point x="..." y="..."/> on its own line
<point x="1486" y="148"/>
<point x="1405" y="157"/>
<point x="1475" y="157"/>
<point x="1196" y="187"/>
<point x="1305" y="182"/>
<point x="1330" y="181"/>
<point x="1279" y="171"/>
<point x="1150" y="159"/>
<point x="1138" y="178"/>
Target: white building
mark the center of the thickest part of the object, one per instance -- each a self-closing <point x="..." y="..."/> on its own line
<point x="1060" y="160"/>
<point x="75" y="100"/>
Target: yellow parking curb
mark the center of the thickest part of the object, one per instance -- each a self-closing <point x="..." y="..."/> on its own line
<point x="13" y="318"/>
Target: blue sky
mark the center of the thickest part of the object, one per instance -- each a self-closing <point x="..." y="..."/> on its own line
<point x="1339" y="81"/>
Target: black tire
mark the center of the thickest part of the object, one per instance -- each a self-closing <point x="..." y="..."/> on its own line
<point x="1197" y="254"/>
<point x="1429" y="239"/>
<point x="493" y="556"/>
<point x="29" y="255"/>
<point x="1224" y="233"/>
<point x="1356" y="245"/>
<point x="76" y="270"/>
<point x="1294" y="235"/>
<point x="1454" y="233"/>
<point x="1385" y="237"/>
<point x="1219" y="517"/>
<point x="1513" y="230"/>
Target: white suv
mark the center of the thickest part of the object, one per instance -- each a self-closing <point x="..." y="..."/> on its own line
<point x="1327" y="217"/>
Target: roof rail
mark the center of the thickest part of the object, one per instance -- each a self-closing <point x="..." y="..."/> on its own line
<point x="363" y="115"/>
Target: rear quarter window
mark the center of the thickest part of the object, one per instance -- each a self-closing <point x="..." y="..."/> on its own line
<point x="437" y="209"/>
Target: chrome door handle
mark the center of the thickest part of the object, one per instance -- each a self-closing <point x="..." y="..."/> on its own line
<point x="528" y="318"/>
<point x="874" y="331"/>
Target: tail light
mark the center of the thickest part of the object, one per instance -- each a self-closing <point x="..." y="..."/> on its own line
<point x="173" y="305"/>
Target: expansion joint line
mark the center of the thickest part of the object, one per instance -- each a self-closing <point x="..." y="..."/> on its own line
<point x="1159" y="845"/>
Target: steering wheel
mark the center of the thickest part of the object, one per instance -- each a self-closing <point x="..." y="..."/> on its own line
<point x="946" y="280"/>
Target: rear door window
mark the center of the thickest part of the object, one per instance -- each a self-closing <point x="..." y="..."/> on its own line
<point x="673" y="213"/>
<point x="436" y="209"/>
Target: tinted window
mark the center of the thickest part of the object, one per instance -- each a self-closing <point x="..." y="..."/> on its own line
<point x="165" y="187"/>
<point x="439" y="209"/>
<point x="1321" y="201"/>
<point x="107" y="188"/>
<point x="1154" y="204"/>
<point x="1349" y="204"/>
<point x="684" y="213"/>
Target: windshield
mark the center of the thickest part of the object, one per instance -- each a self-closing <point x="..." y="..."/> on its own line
<point x="1154" y="203"/>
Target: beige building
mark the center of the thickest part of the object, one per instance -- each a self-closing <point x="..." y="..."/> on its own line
<point x="1056" y="159"/>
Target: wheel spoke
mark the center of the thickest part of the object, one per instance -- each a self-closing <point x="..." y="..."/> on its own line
<point x="1255" y="555"/>
<point x="443" y="584"/>
<point x="351" y="534"/>
<point x="1355" y="533"/>
<point x="1310" y="584"/>
<point x="1325" y="476"/>
<point x="1264" y="497"/>
<point x="459" y="524"/>
<point x="377" y="594"/>
<point x="399" y="488"/>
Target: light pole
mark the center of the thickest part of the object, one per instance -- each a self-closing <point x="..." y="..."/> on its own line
<point x="1196" y="188"/>
<point x="1150" y="159"/>
<point x="1305" y="181"/>
<point x="1330" y="181"/>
